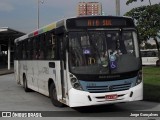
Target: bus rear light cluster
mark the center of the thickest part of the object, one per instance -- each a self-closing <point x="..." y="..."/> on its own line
<point x="75" y="84"/>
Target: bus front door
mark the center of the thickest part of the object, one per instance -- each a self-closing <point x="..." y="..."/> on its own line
<point x="63" y="73"/>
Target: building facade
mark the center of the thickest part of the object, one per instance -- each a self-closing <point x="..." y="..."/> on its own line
<point x="89" y="8"/>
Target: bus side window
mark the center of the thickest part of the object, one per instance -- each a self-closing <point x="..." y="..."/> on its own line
<point x="50" y="39"/>
<point x="20" y="51"/>
<point x="16" y="51"/>
<point x="153" y="54"/>
<point x="26" y="49"/>
<point x="23" y="50"/>
<point x="42" y="47"/>
<point x="53" y="47"/>
<point x="35" y="49"/>
<point x="30" y="49"/>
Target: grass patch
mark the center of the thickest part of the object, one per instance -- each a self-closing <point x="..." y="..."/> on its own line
<point x="151" y="70"/>
<point x="151" y="83"/>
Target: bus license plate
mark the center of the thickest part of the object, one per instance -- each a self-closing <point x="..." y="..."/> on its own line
<point x="111" y="97"/>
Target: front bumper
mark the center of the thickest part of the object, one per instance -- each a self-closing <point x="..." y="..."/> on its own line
<point x="82" y="98"/>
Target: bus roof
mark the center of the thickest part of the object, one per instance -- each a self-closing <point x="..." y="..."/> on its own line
<point x="102" y="16"/>
<point x="60" y="23"/>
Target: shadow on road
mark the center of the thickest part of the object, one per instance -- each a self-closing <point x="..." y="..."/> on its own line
<point x="151" y="92"/>
<point x="99" y="109"/>
<point x="120" y="107"/>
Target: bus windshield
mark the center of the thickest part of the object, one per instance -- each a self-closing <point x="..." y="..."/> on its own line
<point x="103" y="52"/>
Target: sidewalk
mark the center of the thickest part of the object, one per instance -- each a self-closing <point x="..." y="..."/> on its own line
<point x="4" y="71"/>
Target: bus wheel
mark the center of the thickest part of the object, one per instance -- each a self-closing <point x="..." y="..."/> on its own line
<point x="25" y="86"/>
<point x="158" y="63"/>
<point x="53" y="96"/>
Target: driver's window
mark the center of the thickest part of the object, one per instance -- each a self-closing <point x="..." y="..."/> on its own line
<point x="128" y="42"/>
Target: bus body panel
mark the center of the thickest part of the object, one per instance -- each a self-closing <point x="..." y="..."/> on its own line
<point x="83" y="100"/>
<point x="38" y="74"/>
<point x="32" y="75"/>
<point x="16" y="71"/>
<point x="44" y="76"/>
<point x="46" y="73"/>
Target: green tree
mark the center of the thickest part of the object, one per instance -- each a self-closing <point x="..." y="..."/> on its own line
<point x="147" y="19"/>
<point x="130" y="1"/>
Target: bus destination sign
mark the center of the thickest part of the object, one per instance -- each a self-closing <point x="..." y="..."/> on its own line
<point x="99" y="22"/>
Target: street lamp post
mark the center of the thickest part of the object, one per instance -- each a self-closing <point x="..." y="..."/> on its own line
<point x="38" y="14"/>
<point x="150" y="2"/>
<point x="118" y="7"/>
<point x="38" y="2"/>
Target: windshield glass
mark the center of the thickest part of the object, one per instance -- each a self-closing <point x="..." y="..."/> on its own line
<point x="103" y="52"/>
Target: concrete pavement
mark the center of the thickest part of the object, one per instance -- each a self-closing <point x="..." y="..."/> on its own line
<point x="13" y="98"/>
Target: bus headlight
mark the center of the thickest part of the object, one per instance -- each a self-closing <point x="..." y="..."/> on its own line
<point x="73" y="80"/>
<point x="139" y="77"/>
<point x="75" y="83"/>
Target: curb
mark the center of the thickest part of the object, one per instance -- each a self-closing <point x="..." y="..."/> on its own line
<point x="6" y="72"/>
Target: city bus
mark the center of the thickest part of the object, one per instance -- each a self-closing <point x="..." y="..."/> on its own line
<point x="82" y="61"/>
<point x="149" y="57"/>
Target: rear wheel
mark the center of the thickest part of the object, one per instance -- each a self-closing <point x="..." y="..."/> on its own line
<point x="158" y="63"/>
<point x="53" y="96"/>
<point x="25" y="86"/>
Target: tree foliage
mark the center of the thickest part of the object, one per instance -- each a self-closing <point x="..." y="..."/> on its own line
<point x="147" y="19"/>
<point x="130" y="1"/>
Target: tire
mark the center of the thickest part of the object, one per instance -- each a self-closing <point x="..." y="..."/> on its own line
<point x="158" y="63"/>
<point x="53" y="96"/>
<point x="25" y="86"/>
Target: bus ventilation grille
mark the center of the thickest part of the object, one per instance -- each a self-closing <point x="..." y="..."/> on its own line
<point x="112" y="88"/>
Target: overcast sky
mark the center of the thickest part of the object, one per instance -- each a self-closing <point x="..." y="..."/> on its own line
<point x="22" y="14"/>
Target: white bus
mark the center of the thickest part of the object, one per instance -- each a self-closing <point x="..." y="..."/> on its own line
<point x="82" y="61"/>
<point x="149" y="57"/>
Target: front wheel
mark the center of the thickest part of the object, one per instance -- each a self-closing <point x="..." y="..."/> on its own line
<point x="53" y="96"/>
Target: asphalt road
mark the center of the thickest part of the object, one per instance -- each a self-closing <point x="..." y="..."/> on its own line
<point x="13" y="98"/>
